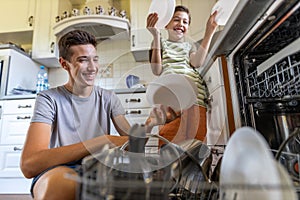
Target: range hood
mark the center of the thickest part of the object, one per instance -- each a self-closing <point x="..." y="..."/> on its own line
<point x="101" y="26"/>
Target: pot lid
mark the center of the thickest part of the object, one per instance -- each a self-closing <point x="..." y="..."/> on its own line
<point x="101" y="26"/>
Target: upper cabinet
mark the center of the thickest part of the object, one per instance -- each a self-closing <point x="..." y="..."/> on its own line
<point x="17" y="15"/>
<point x="140" y="36"/>
<point x="17" y="22"/>
<point x="44" y="46"/>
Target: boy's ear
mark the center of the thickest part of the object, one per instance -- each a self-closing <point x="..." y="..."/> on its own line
<point x="63" y="63"/>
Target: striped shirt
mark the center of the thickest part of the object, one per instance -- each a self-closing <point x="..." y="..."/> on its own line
<point x="176" y="60"/>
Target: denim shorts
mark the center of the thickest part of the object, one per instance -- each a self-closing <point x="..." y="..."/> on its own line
<point x="76" y="166"/>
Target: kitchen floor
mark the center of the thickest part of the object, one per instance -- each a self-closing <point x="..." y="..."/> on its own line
<point x="15" y="197"/>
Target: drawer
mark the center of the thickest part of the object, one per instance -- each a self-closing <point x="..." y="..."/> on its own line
<point x="10" y="161"/>
<point x="18" y="106"/>
<point x="137" y="115"/>
<point x="134" y="100"/>
<point x="14" y="128"/>
<point x="133" y="116"/>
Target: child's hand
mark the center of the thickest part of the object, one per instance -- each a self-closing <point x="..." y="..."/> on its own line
<point x="211" y="24"/>
<point x="161" y="115"/>
<point x="151" y="24"/>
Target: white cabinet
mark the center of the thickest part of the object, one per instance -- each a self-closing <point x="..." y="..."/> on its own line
<point x="44" y="47"/>
<point x="136" y="106"/>
<point x="140" y="36"/>
<point x="214" y="76"/>
<point x="15" y="120"/>
<point x="217" y="121"/>
<point x="17" y="15"/>
<point x="137" y="110"/>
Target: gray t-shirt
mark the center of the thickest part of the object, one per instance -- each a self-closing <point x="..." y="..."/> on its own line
<point x="75" y="119"/>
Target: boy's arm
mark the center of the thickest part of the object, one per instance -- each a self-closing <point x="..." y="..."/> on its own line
<point x="198" y="57"/>
<point x="155" y="55"/>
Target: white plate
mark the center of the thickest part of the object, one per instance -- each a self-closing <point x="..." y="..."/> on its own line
<point x="225" y="9"/>
<point x="248" y="167"/>
<point x="288" y="189"/>
<point x="164" y="9"/>
<point x="176" y="91"/>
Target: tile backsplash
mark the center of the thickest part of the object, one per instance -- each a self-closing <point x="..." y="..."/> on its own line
<point x="117" y="54"/>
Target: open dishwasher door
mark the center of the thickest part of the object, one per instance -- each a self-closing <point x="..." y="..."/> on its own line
<point x="264" y="70"/>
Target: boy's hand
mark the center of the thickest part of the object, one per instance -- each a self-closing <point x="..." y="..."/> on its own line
<point x="151" y="24"/>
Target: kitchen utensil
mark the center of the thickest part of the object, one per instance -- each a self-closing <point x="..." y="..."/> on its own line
<point x="174" y="90"/>
<point x="248" y="170"/>
<point x="132" y="80"/>
<point x="164" y="9"/>
<point x="224" y="9"/>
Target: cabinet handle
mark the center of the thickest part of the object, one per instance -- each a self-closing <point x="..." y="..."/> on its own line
<point x="17" y="149"/>
<point x="128" y="112"/>
<point x="26" y="106"/>
<point x="26" y="117"/>
<point x="30" y="21"/>
<point x="52" y="47"/>
<point x="133" y="40"/>
<point x="210" y="99"/>
<point x="132" y="100"/>
<point x="209" y="80"/>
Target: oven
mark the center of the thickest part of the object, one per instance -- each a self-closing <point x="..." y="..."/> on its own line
<point x="264" y="71"/>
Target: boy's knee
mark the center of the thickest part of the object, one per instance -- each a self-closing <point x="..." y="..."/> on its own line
<point x="56" y="184"/>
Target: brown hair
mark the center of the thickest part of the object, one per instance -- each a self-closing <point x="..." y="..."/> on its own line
<point x="183" y="9"/>
<point x="75" y="37"/>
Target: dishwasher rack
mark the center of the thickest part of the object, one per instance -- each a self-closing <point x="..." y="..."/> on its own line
<point x="121" y="185"/>
<point x="280" y="80"/>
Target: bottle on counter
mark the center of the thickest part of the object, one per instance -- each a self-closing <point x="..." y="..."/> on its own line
<point x="42" y="80"/>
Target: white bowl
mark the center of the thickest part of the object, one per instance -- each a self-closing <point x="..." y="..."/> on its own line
<point x="176" y="91"/>
<point x="164" y="9"/>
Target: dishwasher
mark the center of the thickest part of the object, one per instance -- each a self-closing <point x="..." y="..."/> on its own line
<point x="264" y="69"/>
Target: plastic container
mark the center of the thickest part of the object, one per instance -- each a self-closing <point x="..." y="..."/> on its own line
<point x="42" y="80"/>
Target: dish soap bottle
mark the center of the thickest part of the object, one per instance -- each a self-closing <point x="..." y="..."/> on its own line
<point x="42" y="80"/>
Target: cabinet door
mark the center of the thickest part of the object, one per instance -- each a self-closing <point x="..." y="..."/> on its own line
<point x="217" y="123"/>
<point x="14" y="128"/>
<point x="44" y="47"/>
<point x="214" y="76"/>
<point x="17" y="15"/>
<point x="10" y="161"/>
<point x="140" y="37"/>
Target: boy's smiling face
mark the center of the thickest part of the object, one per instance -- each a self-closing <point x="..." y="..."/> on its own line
<point x="178" y="26"/>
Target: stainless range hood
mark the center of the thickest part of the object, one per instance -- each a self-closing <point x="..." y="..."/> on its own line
<point x="102" y="26"/>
